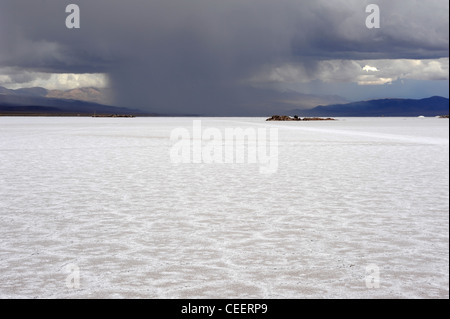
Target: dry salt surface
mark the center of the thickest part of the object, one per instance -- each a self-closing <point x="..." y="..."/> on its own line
<point x="94" y="208"/>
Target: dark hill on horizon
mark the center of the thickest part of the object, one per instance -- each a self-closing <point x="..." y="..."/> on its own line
<point x="33" y="101"/>
<point x="432" y="106"/>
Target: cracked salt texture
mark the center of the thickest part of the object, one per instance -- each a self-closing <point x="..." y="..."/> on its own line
<point x="102" y="194"/>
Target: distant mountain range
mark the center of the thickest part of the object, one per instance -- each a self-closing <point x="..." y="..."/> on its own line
<point x="432" y="106"/>
<point x="89" y="94"/>
<point x="40" y="101"/>
<point x="86" y="101"/>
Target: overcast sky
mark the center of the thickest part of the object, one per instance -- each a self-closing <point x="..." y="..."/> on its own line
<point x="228" y="57"/>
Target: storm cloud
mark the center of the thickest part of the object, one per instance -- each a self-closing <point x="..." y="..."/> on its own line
<point x="200" y="56"/>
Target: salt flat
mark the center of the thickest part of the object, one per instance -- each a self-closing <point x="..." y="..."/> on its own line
<point x="102" y="195"/>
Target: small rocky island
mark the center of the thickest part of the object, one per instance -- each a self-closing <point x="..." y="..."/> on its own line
<point x="297" y="118"/>
<point x="113" y="115"/>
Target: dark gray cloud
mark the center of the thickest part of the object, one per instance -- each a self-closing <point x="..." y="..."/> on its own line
<point x="195" y="56"/>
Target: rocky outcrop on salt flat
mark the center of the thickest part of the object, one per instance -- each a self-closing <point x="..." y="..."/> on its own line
<point x="296" y="118"/>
